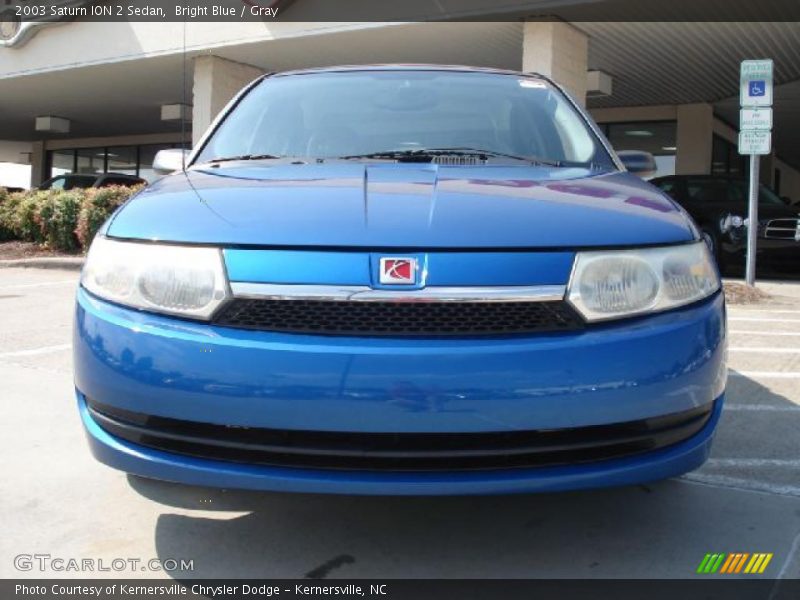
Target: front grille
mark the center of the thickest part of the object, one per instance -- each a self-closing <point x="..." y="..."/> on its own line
<point x="335" y="317"/>
<point x="400" y="451"/>
<point x="782" y="229"/>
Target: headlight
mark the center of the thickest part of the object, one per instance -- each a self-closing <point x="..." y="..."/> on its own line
<point x="178" y="280"/>
<point x="615" y="284"/>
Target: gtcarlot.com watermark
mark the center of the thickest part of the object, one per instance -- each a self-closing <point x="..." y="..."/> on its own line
<point x="59" y="564"/>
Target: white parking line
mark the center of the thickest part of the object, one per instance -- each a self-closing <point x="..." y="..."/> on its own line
<point x="762" y="320"/>
<point x="789" y="557"/>
<point x="742" y="484"/>
<point x="765" y="374"/>
<point x="35" y="351"/>
<point x="769" y="333"/>
<point x="742" y="311"/>
<point x="753" y="462"/>
<point x="41" y="284"/>
<point x="761" y="407"/>
<point x="765" y="350"/>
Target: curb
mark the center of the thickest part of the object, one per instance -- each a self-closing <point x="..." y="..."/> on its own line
<point x="785" y="290"/>
<point x="72" y="263"/>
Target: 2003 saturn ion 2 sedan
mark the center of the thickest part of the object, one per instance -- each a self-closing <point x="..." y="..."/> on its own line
<point x="400" y="280"/>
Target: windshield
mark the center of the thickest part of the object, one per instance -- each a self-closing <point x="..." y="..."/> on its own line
<point x="68" y="182"/>
<point x="362" y="113"/>
<point x="765" y="195"/>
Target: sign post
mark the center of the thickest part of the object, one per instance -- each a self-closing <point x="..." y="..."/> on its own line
<point x="755" y="140"/>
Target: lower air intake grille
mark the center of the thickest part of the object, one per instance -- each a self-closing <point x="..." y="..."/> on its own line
<point x="400" y="451"/>
<point x="399" y="318"/>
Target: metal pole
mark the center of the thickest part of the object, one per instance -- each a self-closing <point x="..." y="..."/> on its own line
<point x="752" y="228"/>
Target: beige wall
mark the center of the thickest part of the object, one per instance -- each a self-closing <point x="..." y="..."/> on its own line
<point x="216" y="81"/>
<point x="559" y="51"/>
<point x="37" y="163"/>
<point x="695" y="139"/>
<point x="76" y="44"/>
<point x="14" y="152"/>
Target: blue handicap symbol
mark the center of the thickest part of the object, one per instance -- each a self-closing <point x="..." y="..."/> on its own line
<point x="758" y="88"/>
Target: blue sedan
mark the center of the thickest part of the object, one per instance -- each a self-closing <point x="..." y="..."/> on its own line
<point x="400" y="280"/>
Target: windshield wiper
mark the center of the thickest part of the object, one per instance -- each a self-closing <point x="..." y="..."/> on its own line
<point x="418" y="155"/>
<point x="220" y="159"/>
<point x="426" y="154"/>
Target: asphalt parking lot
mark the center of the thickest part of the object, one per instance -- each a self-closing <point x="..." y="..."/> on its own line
<point x="57" y="500"/>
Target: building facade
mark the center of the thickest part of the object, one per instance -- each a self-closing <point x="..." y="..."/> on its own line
<point x="94" y="97"/>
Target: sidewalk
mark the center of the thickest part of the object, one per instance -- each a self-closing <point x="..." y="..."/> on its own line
<point x="45" y="262"/>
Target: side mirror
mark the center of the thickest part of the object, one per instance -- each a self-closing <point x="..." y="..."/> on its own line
<point x="642" y="164"/>
<point x="169" y="161"/>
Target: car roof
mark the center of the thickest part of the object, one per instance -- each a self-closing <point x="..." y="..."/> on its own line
<point x="119" y="175"/>
<point x="407" y="67"/>
<point x="703" y="176"/>
<point x="77" y="175"/>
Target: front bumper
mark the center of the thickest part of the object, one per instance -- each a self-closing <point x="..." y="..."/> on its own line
<point x="607" y="374"/>
<point x="782" y="253"/>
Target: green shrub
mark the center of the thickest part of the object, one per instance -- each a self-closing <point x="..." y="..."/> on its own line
<point x="26" y="222"/>
<point x="64" y="220"/>
<point x="57" y="217"/>
<point x="9" y="222"/>
<point x="6" y="216"/>
<point x="98" y="205"/>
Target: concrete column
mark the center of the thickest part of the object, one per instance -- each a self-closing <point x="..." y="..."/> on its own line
<point x="557" y="50"/>
<point x="38" y="160"/>
<point x="216" y="81"/>
<point x="695" y="139"/>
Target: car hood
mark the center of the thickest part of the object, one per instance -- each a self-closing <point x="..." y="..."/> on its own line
<point x="391" y="205"/>
<point x="766" y="210"/>
<point x="775" y="211"/>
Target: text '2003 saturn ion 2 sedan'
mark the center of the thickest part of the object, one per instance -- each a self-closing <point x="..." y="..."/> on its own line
<point x="401" y="280"/>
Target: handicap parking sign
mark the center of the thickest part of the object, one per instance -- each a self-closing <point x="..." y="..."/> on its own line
<point x="756" y="83"/>
<point x="757" y="89"/>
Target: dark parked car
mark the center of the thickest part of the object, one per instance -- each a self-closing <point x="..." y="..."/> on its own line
<point x="719" y="206"/>
<point x="98" y="180"/>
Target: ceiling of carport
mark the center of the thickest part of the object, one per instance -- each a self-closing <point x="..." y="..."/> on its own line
<point x="651" y="63"/>
<point x="681" y="63"/>
<point x="124" y="97"/>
